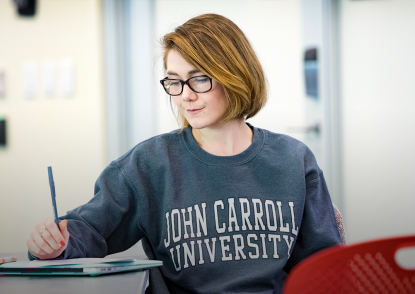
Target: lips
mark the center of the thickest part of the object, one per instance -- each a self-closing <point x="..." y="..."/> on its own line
<point x="195" y="110"/>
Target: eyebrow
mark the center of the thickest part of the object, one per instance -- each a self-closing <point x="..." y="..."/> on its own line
<point x="189" y="73"/>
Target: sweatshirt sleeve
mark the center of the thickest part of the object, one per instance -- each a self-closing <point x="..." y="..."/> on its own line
<point x="108" y="223"/>
<point x="318" y="226"/>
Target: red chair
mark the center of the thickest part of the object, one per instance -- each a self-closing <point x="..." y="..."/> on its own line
<point x="368" y="267"/>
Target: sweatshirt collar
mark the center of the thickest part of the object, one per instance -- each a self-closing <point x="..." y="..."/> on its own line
<point x="238" y="159"/>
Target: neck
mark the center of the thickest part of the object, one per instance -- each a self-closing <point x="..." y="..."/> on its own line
<point x="227" y="139"/>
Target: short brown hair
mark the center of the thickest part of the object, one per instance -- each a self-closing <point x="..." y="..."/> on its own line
<point x="217" y="47"/>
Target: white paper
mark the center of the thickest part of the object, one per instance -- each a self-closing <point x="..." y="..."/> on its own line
<point x="39" y="263"/>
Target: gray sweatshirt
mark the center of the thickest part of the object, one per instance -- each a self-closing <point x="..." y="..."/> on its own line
<point x="220" y="224"/>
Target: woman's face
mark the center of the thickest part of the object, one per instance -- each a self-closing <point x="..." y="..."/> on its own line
<point x="202" y="110"/>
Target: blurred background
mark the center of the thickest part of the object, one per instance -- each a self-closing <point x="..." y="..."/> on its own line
<point x="79" y="87"/>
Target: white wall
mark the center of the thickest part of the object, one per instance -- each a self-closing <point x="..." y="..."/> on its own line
<point x="377" y="92"/>
<point x="65" y="133"/>
<point x="69" y="134"/>
<point x="378" y="83"/>
<point x="274" y="30"/>
<point x="378" y="102"/>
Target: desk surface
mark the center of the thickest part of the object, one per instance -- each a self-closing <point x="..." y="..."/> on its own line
<point x="119" y="283"/>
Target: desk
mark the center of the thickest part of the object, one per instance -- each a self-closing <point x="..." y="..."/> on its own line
<point x="121" y="283"/>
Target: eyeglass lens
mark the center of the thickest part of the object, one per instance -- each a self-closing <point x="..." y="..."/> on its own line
<point x="197" y="84"/>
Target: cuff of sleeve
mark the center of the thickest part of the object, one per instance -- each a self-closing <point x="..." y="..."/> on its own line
<point x="32" y="257"/>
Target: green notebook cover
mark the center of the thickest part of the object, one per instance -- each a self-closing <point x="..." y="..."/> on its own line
<point x="21" y="268"/>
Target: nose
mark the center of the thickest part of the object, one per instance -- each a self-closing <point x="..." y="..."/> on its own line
<point x="188" y="95"/>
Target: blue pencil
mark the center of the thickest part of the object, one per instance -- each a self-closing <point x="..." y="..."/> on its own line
<point x="52" y="191"/>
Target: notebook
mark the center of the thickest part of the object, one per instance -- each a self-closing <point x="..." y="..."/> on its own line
<point x="86" y="269"/>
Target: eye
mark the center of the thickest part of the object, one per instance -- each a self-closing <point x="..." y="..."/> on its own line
<point x="172" y="83"/>
<point x="202" y="80"/>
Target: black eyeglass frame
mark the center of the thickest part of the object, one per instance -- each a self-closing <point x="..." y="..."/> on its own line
<point x="185" y="83"/>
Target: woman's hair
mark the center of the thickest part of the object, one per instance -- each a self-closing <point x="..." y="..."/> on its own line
<point x="217" y="47"/>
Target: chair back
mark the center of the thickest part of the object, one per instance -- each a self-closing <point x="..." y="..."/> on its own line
<point x="368" y="267"/>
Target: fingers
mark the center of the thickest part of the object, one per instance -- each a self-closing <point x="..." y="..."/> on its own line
<point x="48" y="237"/>
<point x="34" y="249"/>
<point x="64" y="230"/>
<point x="41" y="242"/>
<point x="53" y="235"/>
<point x="49" y="242"/>
<point x="63" y="225"/>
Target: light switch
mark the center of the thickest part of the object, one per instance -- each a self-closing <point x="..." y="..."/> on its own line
<point x="2" y="83"/>
<point x="30" y="80"/>
<point x="67" y="76"/>
<point x="49" y="78"/>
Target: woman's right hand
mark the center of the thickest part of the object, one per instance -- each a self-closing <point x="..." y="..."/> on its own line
<point x="49" y="242"/>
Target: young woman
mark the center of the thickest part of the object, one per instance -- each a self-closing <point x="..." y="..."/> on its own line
<point x="226" y="206"/>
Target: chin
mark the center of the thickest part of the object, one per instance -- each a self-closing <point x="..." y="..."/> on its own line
<point x="203" y="122"/>
<point x="197" y="126"/>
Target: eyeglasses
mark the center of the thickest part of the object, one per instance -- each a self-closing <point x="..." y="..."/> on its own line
<point x="199" y="84"/>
